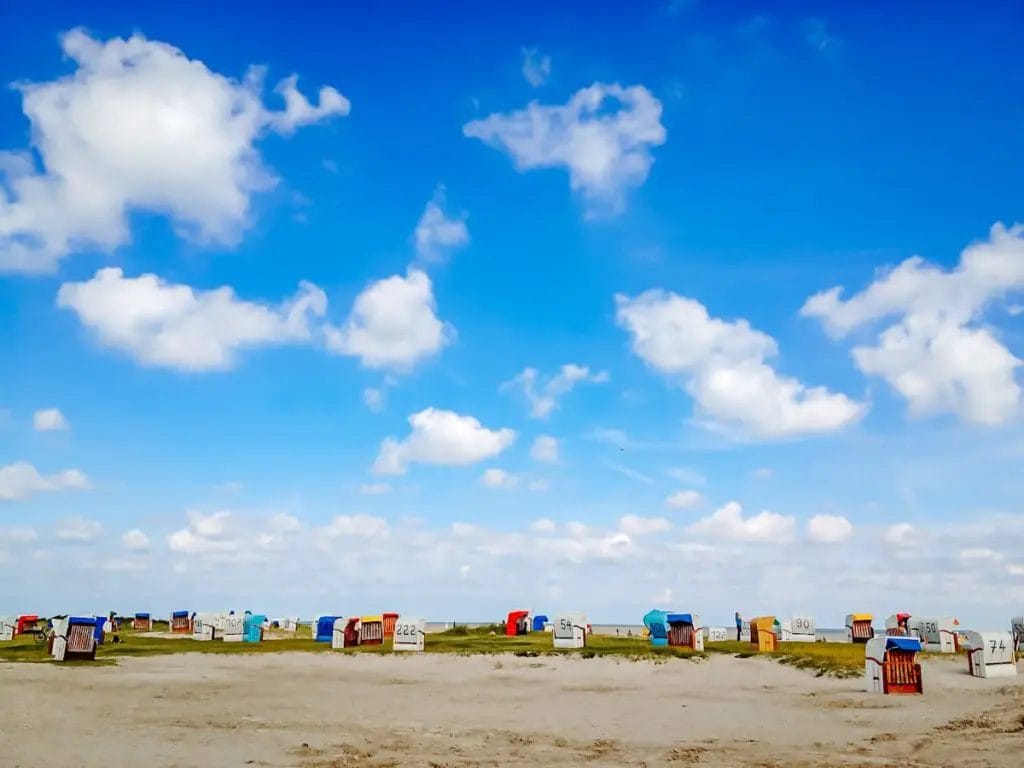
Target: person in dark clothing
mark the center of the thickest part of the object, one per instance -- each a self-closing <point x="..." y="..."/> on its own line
<point x="739" y="627"/>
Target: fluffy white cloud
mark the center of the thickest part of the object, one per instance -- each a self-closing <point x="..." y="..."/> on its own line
<point x="543" y="525"/>
<point x="603" y="136"/>
<point x="77" y="529"/>
<point x="635" y="525"/>
<point x="135" y="540"/>
<point x="933" y="347"/>
<point x="206" y="535"/>
<point x="138" y="126"/>
<point x="723" y="365"/>
<point x="829" y="529"/>
<point x="498" y="478"/>
<point x="544" y="448"/>
<point x="727" y="522"/>
<point x="393" y="324"/>
<point x="436" y="234"/>
<point x="49" y="420"/>
<point x="443" y="438"/>
<point x="175" y="326"/>
<point x="21" y="534"/>
<point x="683" y="500"/>
<point x="20" y="480"/>
<point x="543" y="392"/>
<point x="536" y="67"/>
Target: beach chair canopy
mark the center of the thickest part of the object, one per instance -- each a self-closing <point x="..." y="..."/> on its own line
<point x="539" y="622"/>
<point x="903" y="643"/>
<point x="324" y="629"/>
<point x="679" y="618"/>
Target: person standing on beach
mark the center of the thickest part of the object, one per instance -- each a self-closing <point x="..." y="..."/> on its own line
<point x="739" y="626"/>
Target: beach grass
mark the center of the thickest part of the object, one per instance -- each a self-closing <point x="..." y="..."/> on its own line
<point x="831" y="659"/>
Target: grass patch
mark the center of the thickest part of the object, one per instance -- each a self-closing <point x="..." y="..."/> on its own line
<point x="832" y="659"/>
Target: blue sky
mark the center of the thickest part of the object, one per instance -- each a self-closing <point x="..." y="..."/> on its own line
<point x="343" y="317"/>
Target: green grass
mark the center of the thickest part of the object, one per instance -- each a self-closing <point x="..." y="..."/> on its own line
<point x="833" y="659"/>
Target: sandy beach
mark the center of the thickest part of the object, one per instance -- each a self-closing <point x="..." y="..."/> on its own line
<point x="309" y="710"/>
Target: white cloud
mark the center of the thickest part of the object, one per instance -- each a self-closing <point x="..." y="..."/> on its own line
<point x="436" y="234"/>
<point x="19" y="534"/>
<point x="683" y="500"/>
<point x="442" y="438"/>
<point x="77" y="529"/>
<point x="723" y="366"/>
<point x="357" y="527"/>
<point x="536" y="67"/>
<point x="49" y="420"/>
<point x="21" y="480"/>
<point x="635" y="525"/>
<point x="543" y="525"/>
<point x="135" y="540"/>
<point x="498" y="478"/>
<point x="393" y="324"/>
<point x="543" y="392"/>
<point x="901" y="535"/>
<point x="375" y="489"/>
<point x="933" y="348"/>
<point x="375" y="399"/>
<point x="138" y="126"/>
<point x="175" y="326"/>
<point x="686" y="475"/>
<point x="544" y="448"/>
<point x="764" y="473"/>
<point x="727" y="522"/>
<point x="206" y="534"/>
<point x="603" y="136"/>
<point x="980" y="554"/>
<point x="829" y="529"/>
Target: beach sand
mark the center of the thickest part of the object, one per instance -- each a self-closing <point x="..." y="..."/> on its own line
<point x="309" y="710"/>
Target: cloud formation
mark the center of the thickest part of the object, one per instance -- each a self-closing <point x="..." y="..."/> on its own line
<point x="934" y="348"/>
<point x="723" y="365"/>
<point x="175" y="326"/>
<point x="603" y="136"/>
<point x="536" y="67"/>
<point x="393" y="324"/>
<point x="138" y="126"/>
<point x="436" y="234"/>
<point x="49" y="420"/>
<point x="21" y="480"/>
<point x="444" y="438"/>
<point x="543" y="392"/>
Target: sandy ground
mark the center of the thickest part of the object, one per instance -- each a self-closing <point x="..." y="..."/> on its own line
<point x="309" y="710"/>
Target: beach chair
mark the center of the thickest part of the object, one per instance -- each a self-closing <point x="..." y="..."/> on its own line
<point x="346" y="632"/>
<point x="716" y="634"/>
<point x="371" y="630"/>
<point x="685" y="631"/>
<point x="234" y="628"/>
<point x="389" y="620"/>
<point x="323" y="628"/>
<point x="252" y="626"/>
<point x="517" y="623"/>
<point x="142" y="622"/>
<point x="570" y="630"/>
<point x="859" y="628"/>
<point x="204" y="627"/>
<point x="8" y="627"/>
<point x="938" y="635"/>
<point x="1017" y="631"/>
<point x="74" y="638"/>
<point x="409" y="634"/>
<point x="181" y="624"/>
<point x="991" y="654"/>
<point x="654" y="621"/>
<point x="890" y="665"/>
<point x="801" y="630"/>
<point x="762" y="633"/>
<point x="26" y="623"/>
<point x="898" y="625"/>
